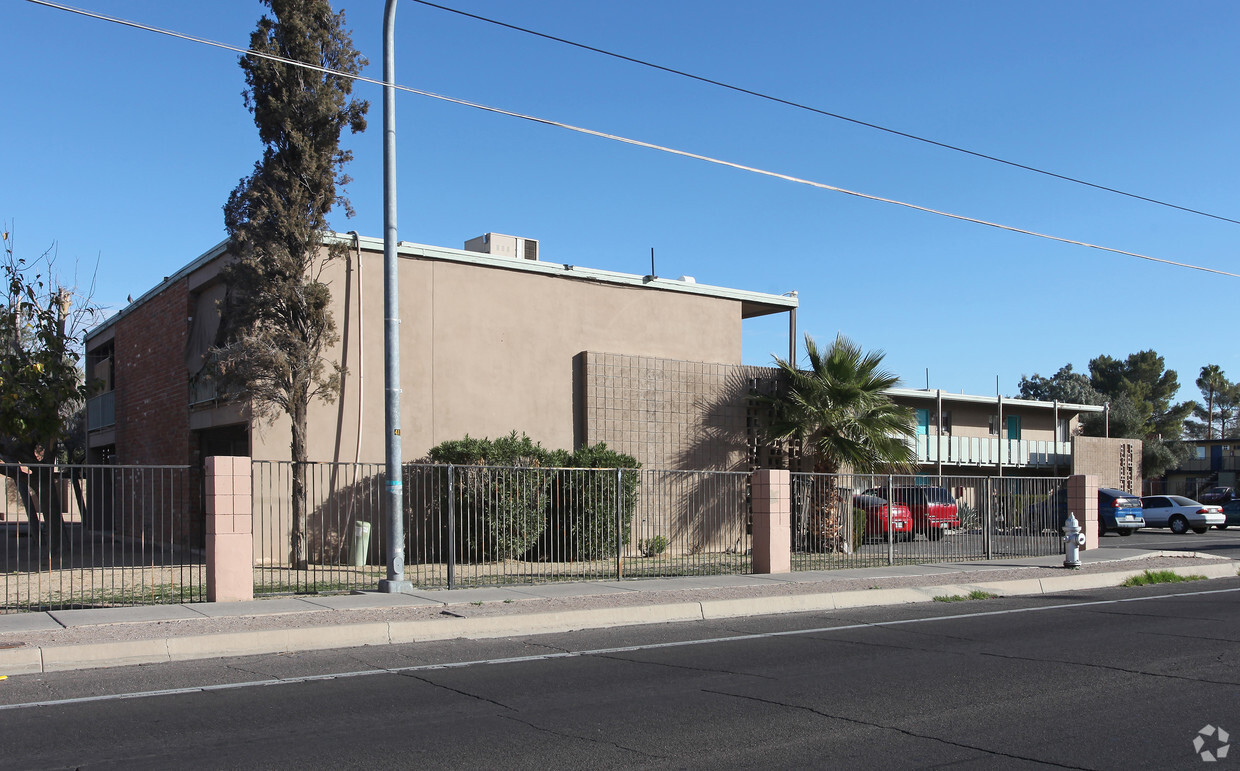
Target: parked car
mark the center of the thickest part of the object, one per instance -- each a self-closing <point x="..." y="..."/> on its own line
<point x="1218" y="495"/>
<point x="1181" y="514"/>
<point x="933" y="509"/>
<point x="883" y="518"/>
<point x="1117" y="510"/>
<point x="1231" y="510"/>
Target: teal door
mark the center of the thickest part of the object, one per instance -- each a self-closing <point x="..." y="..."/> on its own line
<point x="923" y="422"/>
<point x="1013" y="426"/>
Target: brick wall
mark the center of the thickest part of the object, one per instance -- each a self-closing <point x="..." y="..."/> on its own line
<point x="152" y="421"/>
<point x="152" y="382"/>
<point x="1116" y="462"/>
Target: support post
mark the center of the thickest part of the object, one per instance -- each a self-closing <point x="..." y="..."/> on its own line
<point x="772" y="527"/>
<point x="619" y="524"/>
<point x="1083" y="502"/>
<point x="230" y="529"/>
<point x="395" y="491"/>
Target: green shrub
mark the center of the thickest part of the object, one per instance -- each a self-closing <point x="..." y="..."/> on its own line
<point x="858" y="526"/>
<point x="514" y="498"/>
<point x="500" y="497"/>
<point x="1159" y="577"/>
<point x="582" y="522"/>
<point x="652" y="546"/>
<point x="969" y="517"/>
<point x="976" y="594"/>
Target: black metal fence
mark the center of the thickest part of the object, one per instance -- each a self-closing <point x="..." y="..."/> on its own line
<point x="847" y="521"/>
<point x="489" y="525"/>
<point x="105" y="535"/>
<point x="80" y="536"/>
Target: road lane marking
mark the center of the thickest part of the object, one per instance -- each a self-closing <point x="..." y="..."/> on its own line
<point x="592" y="651"/>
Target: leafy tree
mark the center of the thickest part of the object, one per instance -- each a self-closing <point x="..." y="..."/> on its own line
<point x="1064" y="386"/>
<point x="1144" y="379"/>
<point x="840" y="412"/>
<point x="1141" y="389"/>
<point x="278" y="325"/>
<point x="41" y="382"/>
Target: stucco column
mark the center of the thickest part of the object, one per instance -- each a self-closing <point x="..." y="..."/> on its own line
<point x="230" y="532"/>
<point x="772" y="533"/>
<point x="1083" y="502"/>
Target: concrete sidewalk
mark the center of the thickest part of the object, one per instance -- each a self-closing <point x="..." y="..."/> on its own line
<point x="107" y="637"/>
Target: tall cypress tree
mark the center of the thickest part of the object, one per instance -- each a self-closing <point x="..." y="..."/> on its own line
<point x="278" y="324"/>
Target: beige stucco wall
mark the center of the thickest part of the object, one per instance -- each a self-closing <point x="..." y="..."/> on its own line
<point x="485" y="351"/>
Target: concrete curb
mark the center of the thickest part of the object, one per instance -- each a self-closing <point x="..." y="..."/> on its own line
<point x="53" y="658"/>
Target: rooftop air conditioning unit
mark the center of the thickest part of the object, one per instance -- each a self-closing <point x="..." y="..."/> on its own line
<point x="500" y="245"/>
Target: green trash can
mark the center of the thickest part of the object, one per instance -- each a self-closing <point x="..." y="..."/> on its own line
<point x="361" y="543"/>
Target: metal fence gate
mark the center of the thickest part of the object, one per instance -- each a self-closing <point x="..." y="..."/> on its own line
<point x="846" y="521"/>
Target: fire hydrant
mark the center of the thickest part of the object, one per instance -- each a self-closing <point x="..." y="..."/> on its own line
<point x="1073" y="539"/>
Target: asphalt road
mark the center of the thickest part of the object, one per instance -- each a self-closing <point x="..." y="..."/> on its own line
<point x="1117" y="678"/>
<point x="1224" y="543"/>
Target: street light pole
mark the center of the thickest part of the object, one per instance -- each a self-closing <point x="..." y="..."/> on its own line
<point x="395" y="492"/>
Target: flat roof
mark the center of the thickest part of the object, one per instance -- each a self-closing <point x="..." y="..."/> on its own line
<point x="921" y="393"/>
<point x="752" y="303"/>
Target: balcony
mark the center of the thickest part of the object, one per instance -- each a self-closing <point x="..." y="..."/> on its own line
<point x="101" y="411"/>
<point x="1209" y="465"/>
<point x="987" y="451"/>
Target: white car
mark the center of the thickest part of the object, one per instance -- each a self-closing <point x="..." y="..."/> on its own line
<point x="1181" y="514"/>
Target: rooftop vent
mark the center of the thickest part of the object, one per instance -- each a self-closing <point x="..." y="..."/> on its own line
<point x="500" y="245"/>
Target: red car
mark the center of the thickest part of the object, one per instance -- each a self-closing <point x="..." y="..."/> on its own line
<point x="933" y="508"/>
<point x="882" y="518"/>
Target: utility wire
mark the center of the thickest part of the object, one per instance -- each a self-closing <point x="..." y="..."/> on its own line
<point x="616" y="138"/>
<point x="837" y="116"/>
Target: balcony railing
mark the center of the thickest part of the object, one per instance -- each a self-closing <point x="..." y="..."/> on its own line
<point x="987" y="451"/>
<point x="1225" y="463"/>
<point x="202" y="390"/>
<point x="101" y="411"/>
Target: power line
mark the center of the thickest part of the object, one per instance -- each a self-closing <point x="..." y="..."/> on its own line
<point x="819" y="111"/>
<point x="618" y="138"/>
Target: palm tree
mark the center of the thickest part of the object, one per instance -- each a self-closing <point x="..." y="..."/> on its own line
<point x="840" y="411"/>
<point x="1212" y="382"/>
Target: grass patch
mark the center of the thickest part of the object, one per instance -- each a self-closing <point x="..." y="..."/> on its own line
<point x="976" y="594"/>
<point x="1160" y="577"/>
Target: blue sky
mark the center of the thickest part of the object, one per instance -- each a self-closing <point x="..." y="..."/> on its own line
<point x="121" y="146"/>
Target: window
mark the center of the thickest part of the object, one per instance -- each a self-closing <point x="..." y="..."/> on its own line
<point x="1199" y="452"/>
<point x="994" y="425"/>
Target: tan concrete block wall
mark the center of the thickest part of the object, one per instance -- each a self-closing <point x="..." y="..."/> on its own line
<point x="1115" y="462"/>
<point x="670" y="414"/>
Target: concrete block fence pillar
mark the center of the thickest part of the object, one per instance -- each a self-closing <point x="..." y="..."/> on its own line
<point x="772" y="521"/>
<point x="230" y="530"/>
<point x="1083" y="502"/>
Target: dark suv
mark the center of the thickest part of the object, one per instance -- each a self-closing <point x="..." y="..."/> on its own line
<point x="933" y="508"/>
